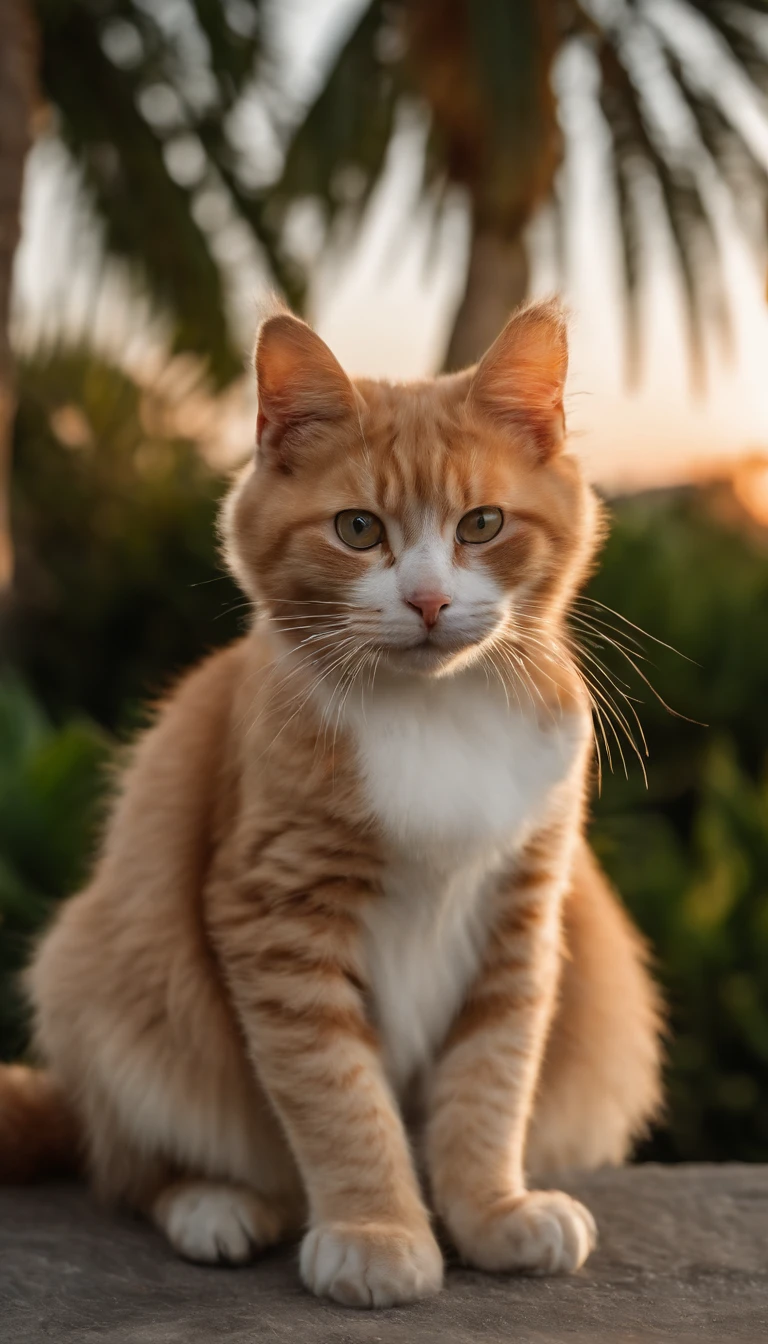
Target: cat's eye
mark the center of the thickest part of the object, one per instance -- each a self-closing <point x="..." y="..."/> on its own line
<point x="359" y="529"/>
<point x="480" y="525"/>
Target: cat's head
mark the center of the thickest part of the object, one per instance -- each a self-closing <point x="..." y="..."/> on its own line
<point x="423" y="521"/>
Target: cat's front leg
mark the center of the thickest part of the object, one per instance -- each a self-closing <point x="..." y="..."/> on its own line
<point x="293" y="965"/>
<point x="485" y="1082"/>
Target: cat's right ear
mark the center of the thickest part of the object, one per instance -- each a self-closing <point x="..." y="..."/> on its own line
<point x="299" y="383"/>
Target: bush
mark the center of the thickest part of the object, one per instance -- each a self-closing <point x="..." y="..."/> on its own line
<point x="689" y="854"/>
<point x="119" y="586"/>
<point x="52" y="788"/>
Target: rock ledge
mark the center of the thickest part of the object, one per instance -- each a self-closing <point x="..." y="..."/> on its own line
<point x="683" y="1254"/>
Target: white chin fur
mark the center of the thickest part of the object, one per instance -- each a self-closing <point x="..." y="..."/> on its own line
<point x="429" y="659"/>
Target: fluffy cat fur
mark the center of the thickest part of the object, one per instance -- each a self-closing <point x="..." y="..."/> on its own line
<point x="345" y="957"/>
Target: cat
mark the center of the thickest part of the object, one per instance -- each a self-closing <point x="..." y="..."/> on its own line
<point x="346" y="965"/>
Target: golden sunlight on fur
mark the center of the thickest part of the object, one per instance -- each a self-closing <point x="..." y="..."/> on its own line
<point x="346" y="964"/>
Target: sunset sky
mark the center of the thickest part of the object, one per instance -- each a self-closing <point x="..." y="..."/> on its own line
<point x="385" y="305"/>
<point x="386" y="308"/>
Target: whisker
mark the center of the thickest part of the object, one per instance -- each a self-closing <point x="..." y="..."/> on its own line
<point x="342" y="663"/>
<point x="359" y="664"/>
<point x="585" y="623"/>
<point x="520" y="670"/>
<point x="499" y="649"/>
<point x="675" y="713"/>
<point x="563" y="658"/>
<point x="515" y="665"/>
<point x="345" y="679"/>
<point x="307" y="616"/>
<point x="379" y="656"/>
<point x="599" y="666"/>
<point x="537" y="668"/>
<point x="595" y="708"/>
<point x="229" y="611"/>
<point x="597" y="623"/>
<point x="487" y="655"/>
<point x="594" y="602"/>
<point x="595" y="691"/>
<point x="373" y="662"/>
<point x="303" y="702"/>
<point x="593" y="643"/>
<point x="291" y="629"/>
<point x="315" y="655"/>
<point x="614" y="712"/>
<point x="320" y="602"/>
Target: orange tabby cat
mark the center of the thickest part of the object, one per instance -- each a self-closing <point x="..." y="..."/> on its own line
<point x="345" y="956"/>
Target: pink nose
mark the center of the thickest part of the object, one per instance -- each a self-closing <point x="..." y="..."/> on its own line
<point x="429" y="605"/>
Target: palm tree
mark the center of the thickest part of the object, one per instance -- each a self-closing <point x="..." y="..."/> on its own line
<point x="141" y="94"/>
<point x="485" y="73"/>
<point x="16" y="96"/>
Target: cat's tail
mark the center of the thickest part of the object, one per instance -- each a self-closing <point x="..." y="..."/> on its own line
<point x="39" y="1135"/>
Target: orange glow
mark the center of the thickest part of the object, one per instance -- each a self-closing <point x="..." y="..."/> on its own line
<point x="750" y="486"/>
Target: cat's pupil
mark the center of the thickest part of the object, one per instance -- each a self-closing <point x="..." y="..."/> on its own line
<point x="481" y="522"/>
<point x="359" y="524"/>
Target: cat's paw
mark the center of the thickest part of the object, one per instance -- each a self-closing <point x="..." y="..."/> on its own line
<point x="539" y="1232"/>
<point x="215" y="1224"/>
<point x="371" y="1264"/>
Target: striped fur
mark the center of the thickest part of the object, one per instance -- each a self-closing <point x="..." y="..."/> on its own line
<point x="345" y="962"/>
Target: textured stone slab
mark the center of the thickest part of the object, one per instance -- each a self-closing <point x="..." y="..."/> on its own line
<point x="683" y="1255"/>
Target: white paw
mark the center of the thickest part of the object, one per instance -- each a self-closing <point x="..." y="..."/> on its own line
<point x="371" y="1264"/>
<point x="539" y="1232"/>
<point x="214" y="1224"/>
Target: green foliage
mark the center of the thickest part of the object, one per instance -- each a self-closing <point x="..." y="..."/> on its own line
<point x="690" y="853"/>
<point x="118" y="584"/>
<point x="703" y="901"/>
<point x="52" y="784"/>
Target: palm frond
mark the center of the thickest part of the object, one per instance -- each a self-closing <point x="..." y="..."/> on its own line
<point x="741" y="171"/>
<point x="337" y="153"/>
<point x="200" y="64"/>
<point x="252" y="206"/>
<point x="232" y="52"/>
<point x="641" y="148"/>
<point x="734" y="22"/>
<point x="628" y="185"/>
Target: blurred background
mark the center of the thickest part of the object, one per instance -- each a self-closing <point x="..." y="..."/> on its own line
<point x="404" y="173"/>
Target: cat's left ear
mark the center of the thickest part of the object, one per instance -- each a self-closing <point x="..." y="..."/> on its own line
<point x="521" y="379"/>
<point x="300" y="383"/>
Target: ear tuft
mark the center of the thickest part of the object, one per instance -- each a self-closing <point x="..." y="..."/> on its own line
<point x="299" y="381"/>
<point x="521" y="379"/>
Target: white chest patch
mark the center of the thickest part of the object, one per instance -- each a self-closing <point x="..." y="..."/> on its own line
<point x="456" y="778"/>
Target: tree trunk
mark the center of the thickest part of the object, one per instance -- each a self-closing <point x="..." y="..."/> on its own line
<point x="497" y="281"/>
<point x="16" y="106"/>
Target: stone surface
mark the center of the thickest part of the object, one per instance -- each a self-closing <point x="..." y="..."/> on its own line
<point x="683" y="1255"/>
